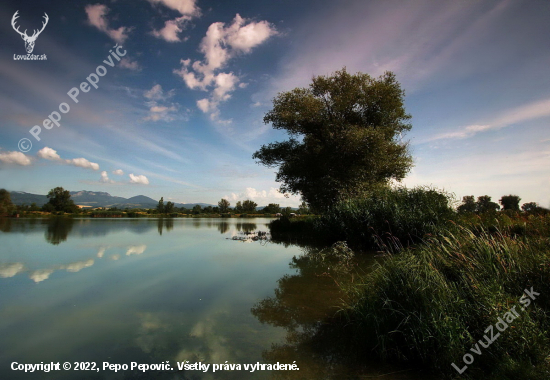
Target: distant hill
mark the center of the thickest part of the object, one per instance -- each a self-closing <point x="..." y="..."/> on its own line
<point x="20" y="197"/>
<point x="97" y="199"/>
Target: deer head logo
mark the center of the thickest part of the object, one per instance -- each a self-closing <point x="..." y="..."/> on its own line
<point x="29" y="40"/>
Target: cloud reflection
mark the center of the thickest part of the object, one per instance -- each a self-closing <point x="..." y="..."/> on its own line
<point x="10" y="270"/>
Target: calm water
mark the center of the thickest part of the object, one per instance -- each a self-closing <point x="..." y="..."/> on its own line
<point x="154" y="290"/>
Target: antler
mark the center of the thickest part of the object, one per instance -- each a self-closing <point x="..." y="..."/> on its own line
<point x="35" y="34"/>
<point x="15" y="16"/>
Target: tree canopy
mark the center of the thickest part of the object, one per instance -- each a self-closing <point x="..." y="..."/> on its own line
<point x="60" y="200"/>
<point x="344" y="137"/>
<point x="6" y="205"/>
<point x="223" y="205"/>
<point x="510" y="202"/>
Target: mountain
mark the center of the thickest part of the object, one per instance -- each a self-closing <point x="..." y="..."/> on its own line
<point x="97" y="199"/>
<point x="20" y="197"/>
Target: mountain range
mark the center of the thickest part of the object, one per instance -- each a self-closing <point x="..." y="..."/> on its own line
<point x="96" y="199"/>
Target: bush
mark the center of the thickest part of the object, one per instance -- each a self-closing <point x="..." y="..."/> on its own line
<point x="387" y="218"/>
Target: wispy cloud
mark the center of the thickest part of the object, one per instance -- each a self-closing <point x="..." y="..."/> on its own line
<point x="532" y="111"/>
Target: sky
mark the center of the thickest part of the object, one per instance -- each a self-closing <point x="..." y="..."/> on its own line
<point x="179" y="105"/>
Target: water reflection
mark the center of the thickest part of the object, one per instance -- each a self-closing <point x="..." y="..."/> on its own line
<point x="305" y="304"/>
<point x="167" y="223"/>
<point x="223" y="227"/>
<point x="58" y="230"/>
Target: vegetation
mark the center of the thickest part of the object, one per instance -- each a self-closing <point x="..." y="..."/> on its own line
<point x="510" y="202"/>
<point x="387" y="217"/>
<point x="60" y="200"/>
<point x="344" y="137"/>
<point x="224" y="205"/>
<point x="6" y="206"/>
<point x="432" y="304"/>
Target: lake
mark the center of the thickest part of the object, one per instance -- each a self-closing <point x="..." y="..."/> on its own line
<point x="156" y="290"/>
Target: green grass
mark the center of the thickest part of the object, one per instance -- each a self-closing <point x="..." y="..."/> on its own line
<point x="387" y="218"/>
<point x="430" y="304"/>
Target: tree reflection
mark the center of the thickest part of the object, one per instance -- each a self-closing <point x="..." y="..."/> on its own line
<point x="167" y="223"/>
<point x="306" y="304"/>
<point x="223" y="227"/>
<point x="58" y="230"/>
<point x="246" y="227"/>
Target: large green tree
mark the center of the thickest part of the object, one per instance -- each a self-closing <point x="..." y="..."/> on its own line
<point x="468" y="204"/>
<point x="6" y="205"/>
<point x="484" y="204"/>
<point x="60" y="200"/>
<point x="223" y="205"/>
<point x="249" y="206"/>
<point x="510" y="202"/>
<point x="345" y="137"/>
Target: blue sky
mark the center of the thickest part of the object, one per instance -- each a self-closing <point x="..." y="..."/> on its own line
<point x="180" y="114"/>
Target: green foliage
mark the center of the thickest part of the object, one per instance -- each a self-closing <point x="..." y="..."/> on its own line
<point x="224" y="205"/>
<point x="197" y="209"/>
<point x="484" y="205"/>
<point x="534" y="208"/>
<point x="272" y="208"/>
<point x="388" y="217"/>
<point x="468" y="204"/>
<point x="510" y="202"/>
<point x="345" y="137"/>
<point x="169" y="207"/>
<point x="239" y="207"/>
<point x="249" y="206"/>
<point x="6" y="206"/>
<point x="160" y="206"/>
<point x="303" y="209"/>
<point x="60" y="200"/>
<point x="430" y="305"/>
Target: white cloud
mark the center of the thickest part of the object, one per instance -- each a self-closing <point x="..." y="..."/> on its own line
<point x="78" y="266"/>
<point x="185" y="7"/>
<point x="96" y="17"/>
<point x="172" y="28"/>
<point x="519" y="114"/>
<point x="127" y="63"/>
<point x="51" y="155"/>
<point x="41" y="275"/>
<point x="105" y="178"/>
<point x="139" y="179"/>
<point x="156" y="93"/>
<point x="158" y="111"/>
<point x="48" y="154"/>
<point x="118" y="172"/>
<point x="15" y="157"/>
<point x="136" y="250"/>
<point x="10" y="270"/>
<point x="188" y="10"/>
<point x="203" y="105"/>
<point x="83" y="163"/>
<point x="220" y="44"/>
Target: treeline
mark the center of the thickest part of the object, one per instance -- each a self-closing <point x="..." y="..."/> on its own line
<point x="60" y="203"/>
<point x="508" y="203"/>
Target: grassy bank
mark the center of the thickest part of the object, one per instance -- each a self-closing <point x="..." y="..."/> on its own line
<point x="445" y="279"/>
<point x="386" y="219"/>
<point x="431" y="305"/>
